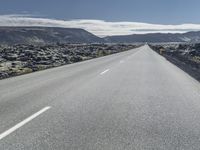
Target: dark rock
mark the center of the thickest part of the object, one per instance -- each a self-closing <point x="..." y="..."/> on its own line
<point x="25" y="58"/>
<point x="76" y="58"/>
<point x="3" y="75"/>
<point x="11" y="57"/>
<point x="66" y="58"/>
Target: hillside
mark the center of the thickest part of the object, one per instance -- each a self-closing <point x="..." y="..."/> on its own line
<point x="52" y="35"/>
<point x="45" y="35"/>
<point x="156" y="37"/>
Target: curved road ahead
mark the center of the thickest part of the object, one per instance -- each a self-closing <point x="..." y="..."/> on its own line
<point x="134" y="100"/>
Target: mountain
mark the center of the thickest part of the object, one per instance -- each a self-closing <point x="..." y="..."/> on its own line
<point x="49" y="35"/>
<point x="41" y="35"/>
<point x="193" y="36"/>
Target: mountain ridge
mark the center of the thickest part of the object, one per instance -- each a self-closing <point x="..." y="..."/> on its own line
<point x="11" y="35"/>
<point x="45" y="35"/>
<point x="192" y="36"/>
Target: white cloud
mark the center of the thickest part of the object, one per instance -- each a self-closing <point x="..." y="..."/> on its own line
<point x="98" y="27"/>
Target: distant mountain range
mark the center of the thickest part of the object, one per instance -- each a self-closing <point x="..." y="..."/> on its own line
<point x="156" y="37"/>
<point x="41" y="35"/>
<point x="48" y="35"/>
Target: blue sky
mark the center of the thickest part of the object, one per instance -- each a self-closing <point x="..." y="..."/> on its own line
<point x="105" y="17"/>
<point x="150" y="11"/>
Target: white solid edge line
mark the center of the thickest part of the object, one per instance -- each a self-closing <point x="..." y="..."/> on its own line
<point x="17" y="126"/>
<point x="105" y="71"/>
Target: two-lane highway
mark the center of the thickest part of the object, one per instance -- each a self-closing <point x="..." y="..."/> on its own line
<point x="130" y="100"/>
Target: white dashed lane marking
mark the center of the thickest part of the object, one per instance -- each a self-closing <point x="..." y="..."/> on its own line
<point x="19" y="125"/>
<point x="104" y="71"/>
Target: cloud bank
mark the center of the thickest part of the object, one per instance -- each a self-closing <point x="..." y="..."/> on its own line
<point x="98" y="27"/>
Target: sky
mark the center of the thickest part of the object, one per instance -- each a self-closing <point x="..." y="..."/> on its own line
<point x="105" y="17"/>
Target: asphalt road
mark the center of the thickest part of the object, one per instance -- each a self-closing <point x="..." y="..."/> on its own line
<point x="134" y="100"/>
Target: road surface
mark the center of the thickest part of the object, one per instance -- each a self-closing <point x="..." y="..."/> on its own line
<point x="134" y="100"/>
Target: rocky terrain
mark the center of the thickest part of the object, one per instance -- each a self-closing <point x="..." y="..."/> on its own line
<point x="21" y="59"/>
<point x="185" y="56"/>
